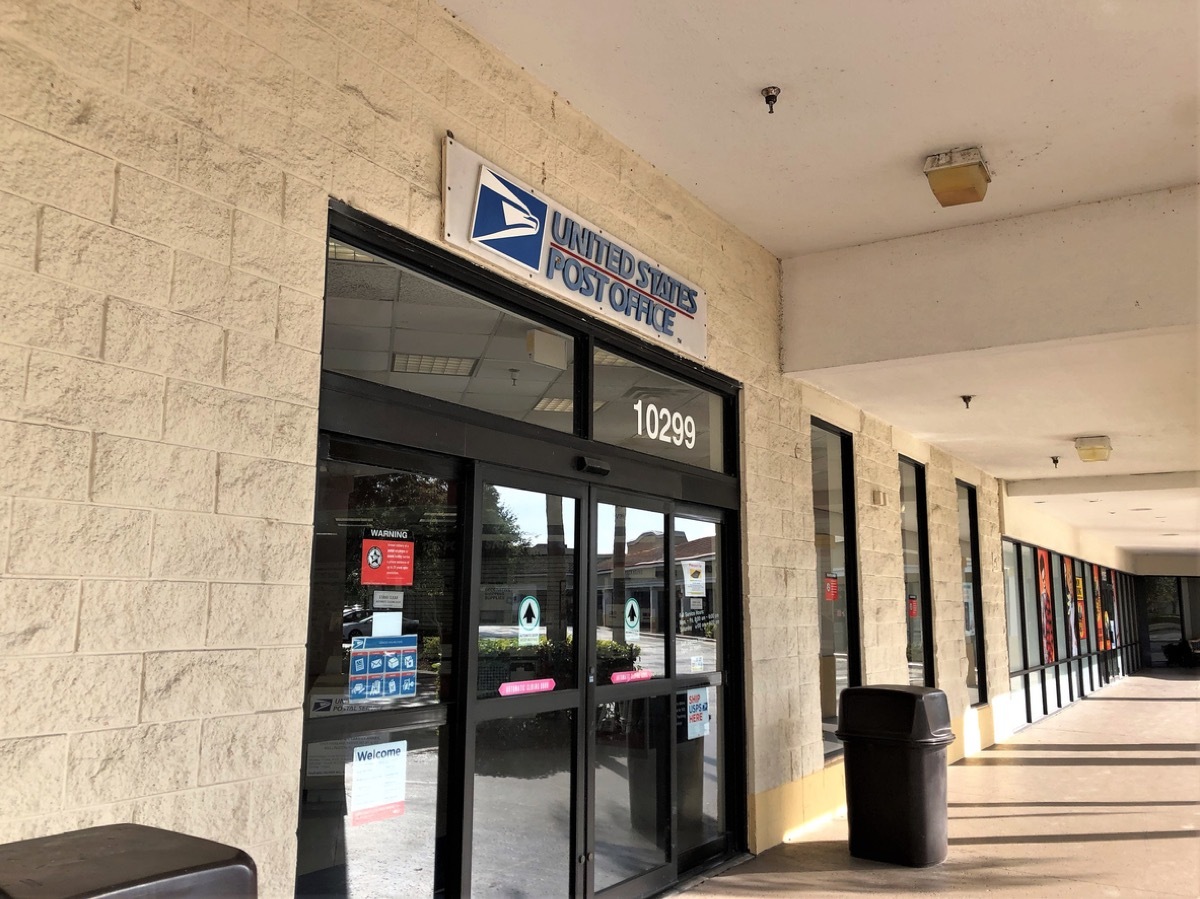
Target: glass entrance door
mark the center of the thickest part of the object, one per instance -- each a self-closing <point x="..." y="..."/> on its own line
<point x="597" y="753"/>
<point x="514" y="683"/>
<point x="524" y="758"/>
<point x="655" y="756"/>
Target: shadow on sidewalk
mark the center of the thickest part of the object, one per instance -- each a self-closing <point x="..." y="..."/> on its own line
<point x="823" y="867"/>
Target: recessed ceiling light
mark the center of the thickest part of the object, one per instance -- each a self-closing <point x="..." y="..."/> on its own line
<point x="554" y="404"/>
<point x="1142" y="509"/>
<point x="1039" y="502"/>
<point x="416" y="364"/>
<point x="1170" y="535"/>
<point x="1093" y="500"/>
<point x="346" y="253"/>
<point x="557" y="404"/>
<point x="604" y="357"/>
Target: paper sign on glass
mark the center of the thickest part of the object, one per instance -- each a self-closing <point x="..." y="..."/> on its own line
<point x="693" y="578"/>
<point x="378" y="777"/>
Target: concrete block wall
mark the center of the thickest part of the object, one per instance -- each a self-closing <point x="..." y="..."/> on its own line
<point x="165" y="170"/>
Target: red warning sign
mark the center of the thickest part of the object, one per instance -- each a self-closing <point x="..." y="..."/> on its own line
<point x="831" y="588"/>
<point x="912" y="607"/>
<point x="387" y="562"/>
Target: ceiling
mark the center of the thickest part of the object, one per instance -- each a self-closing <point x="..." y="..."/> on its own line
<point x="1073" y="101"/>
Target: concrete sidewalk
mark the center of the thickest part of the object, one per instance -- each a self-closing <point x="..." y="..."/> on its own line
<point x="1101" y="799"/>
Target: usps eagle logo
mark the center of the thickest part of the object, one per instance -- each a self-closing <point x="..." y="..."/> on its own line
<point x="509" y="220"/>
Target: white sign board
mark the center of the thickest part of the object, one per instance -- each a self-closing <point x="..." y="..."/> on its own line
<point x="377" y="782"/>
<point x="497" y="217"/>
<point x="693" y="578"/>
<point x="388" y="599"/>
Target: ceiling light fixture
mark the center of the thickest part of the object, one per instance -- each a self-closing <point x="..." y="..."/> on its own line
<point x="958" y="176"/>
<point x="1093" y="449"/>
<point x="418" y="364"/>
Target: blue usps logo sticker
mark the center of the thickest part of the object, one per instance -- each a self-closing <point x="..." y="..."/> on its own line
<point x="509" y="220"/>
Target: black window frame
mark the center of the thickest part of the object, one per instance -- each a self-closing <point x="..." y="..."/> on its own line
<point x="926" y="610"/>
<point x="360" y="415"/>
<point x="850" y="524"/>
<point x="976" y="590"/>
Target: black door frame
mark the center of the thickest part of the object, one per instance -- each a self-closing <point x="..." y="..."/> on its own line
<point x="353" y="412"/>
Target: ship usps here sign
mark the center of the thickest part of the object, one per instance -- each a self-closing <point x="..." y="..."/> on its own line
<point x="497" y="217"/>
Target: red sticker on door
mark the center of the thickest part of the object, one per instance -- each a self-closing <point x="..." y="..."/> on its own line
<point x="387" y="562"/>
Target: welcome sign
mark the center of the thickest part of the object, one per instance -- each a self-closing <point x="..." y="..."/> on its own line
<point x="496" y="217"/>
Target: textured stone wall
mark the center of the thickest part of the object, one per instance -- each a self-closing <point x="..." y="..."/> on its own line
<point x="165" y="169"/>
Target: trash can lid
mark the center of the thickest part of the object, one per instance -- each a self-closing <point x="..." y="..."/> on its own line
<point x="117" y="859"/>
<point x="895" y="712"/>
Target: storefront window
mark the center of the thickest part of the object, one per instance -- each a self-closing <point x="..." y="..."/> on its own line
<point x="837" y="600"/>
<point x="648" y="411"/>
<point x="968" y="543"/>
<point x="1012" y="606"/>
<point x="388" y="324"/>
<point x="916" y="570"/>
<point x="380" y="652"/>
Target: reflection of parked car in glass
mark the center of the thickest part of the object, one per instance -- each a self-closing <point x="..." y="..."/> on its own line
<point x="357" y="626"/>
<point x="360" y="622"/>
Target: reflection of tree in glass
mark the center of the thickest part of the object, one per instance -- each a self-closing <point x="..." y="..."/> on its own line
<point x="420" y="504"/>
<point x="426" y="507"/>
<point x="503" y="543"/>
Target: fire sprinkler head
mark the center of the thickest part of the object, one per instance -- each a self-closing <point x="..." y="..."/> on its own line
<point x="770" y="94"/>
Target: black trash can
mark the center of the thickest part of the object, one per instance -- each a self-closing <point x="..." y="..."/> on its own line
<point x="896" y="739"/>
<point x="129" y="861"/>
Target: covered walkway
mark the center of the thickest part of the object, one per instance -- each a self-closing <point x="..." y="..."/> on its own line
<point x="1101" y="799"/>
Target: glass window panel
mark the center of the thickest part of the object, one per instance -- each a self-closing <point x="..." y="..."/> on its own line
<point x="1085" y="627"/>
<point x="1072" y="624"/>
<point x="972" y="621"/>
<point x="1092" y="574"/>
<point x="411" y="519"/>
<point x="633" y="778"/>
<point x="521" y="844"/>
<point x="1083" y="602"/>
<point x="356" y="839"/>
<point x="834" y="602"/>
<point x="1030" y="596"/>
<point x="1037" y="702"/>
<point x="1116" y="598"/>
<point x="1044" y="613"/>
<point x="387" y="324"/>
<point x="631" y="599"/>
<point x="1012" y="604"/>
<point x="645" y="410"/>
<point x="698" y="639"/>
<point x="699" y="756"/>
<point x="911" y="483"/>
<point x="527" y="593"/>
<point x="1062" y="605"/>
<point x="1016" y="686"/>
